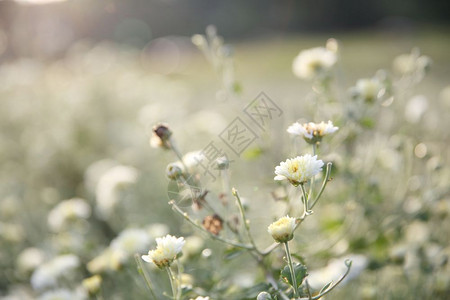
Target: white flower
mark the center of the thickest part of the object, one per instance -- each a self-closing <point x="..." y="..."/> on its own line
<point x="29" y="259"/>
<point x="368" y="89"/>
<point x="313" y="62"/>
<point x="193" y="160"/>
<point x="109" y="185"/>
<point x="166" y="251"/>
<point x="282" y="230"/>
<point x="68" y="210"/>
<point x="47" y="275"/>
<point x="312" y="132"/>
<point x="200" y="298"/>
<point x="406" y="64"/>
<point x="60" y="294"/>
<point x="299" y="169"/>
<point x="130" y="241"/>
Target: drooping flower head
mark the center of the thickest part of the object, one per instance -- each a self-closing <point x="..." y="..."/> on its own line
<point x="311" y="63"/>
<point x="299" y="170"/>
<point x="167" y="249"/>
<point x="282" y="230"/>
<point x="368" y="89"/>
<point x="312" y="132"/>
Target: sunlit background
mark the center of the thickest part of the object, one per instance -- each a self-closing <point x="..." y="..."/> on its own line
<point x="82" y="83"/>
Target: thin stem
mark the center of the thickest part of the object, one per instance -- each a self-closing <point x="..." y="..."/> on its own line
<point x="306" y="211"/>
<point x="349" y="266"/>
<point x="324" y="184"/>
<point x="311" y="185"/>
<point x="141" y="270"/>
<point x="177" y="152"/>
<point x="244" y="219"/>
<point x="308" y="290"/>
<point x="291" y="268"/>
<point x="213" y="236"/>
<point x="172" y="282"/>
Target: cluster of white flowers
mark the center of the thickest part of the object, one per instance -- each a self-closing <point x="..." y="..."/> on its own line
<point x="109" y="185"/>
<point x="312" y="132"/>
<point x="167" y="249"/>
<point x="47" y="275"/>
<point x="299" y="170"/>
<point x="282" y="230"/>
<point x="314" y="62"/>
<point x="67" y="210"/>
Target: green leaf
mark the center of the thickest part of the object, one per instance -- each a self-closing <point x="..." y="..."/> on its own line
<point x="326" y="286"/>
<point x="300" y="274"/>
<point x="232" y="253"/>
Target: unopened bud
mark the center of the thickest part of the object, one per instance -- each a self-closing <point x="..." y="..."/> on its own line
<point x="174" y="171"/>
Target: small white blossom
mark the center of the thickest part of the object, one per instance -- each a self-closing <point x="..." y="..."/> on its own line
<point x="130" y="241"/>
<point x="313" y="62"/>
<point x="368" y="89"/>
<point x="312" y="132"/>
<point x="29" y="259"/>
<point x="299" y="169"/>
<point x="47" y="275"/>
<point x="166" y="251"/>
<point x="109" y="185"/>
<point x="67" y="210"/>
<point x="282" y="230"/>
<point x="200" y="298"/>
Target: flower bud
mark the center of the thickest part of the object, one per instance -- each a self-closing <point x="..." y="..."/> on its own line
<point x="222" y="163"/>
<point x="174" y="171"/>
<point x="264" y="296"/>
<point x="282" y="230"/>
<point x="161" y="136"/>
<point x="92" y="284"/>
<point x="213" y="224"/>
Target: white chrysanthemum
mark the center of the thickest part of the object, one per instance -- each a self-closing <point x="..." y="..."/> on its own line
<point x="109" y="185"/>
<point x="299" y="169"/>
<point x="166" y="251"/>
<point x="312" y="62"/>
<point x="368" y="89"/>
<point x="130" y="241"/>
<point x="200" y="298"/>
<point x="68" y="210"/>
<point x="47" y="275"/>
<point x="282" y="230"/>
<point x="312" y="131"/>
<point x="29" y="259"/>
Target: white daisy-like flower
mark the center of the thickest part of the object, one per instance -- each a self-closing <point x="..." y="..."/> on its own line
<point x="110" y="183"/>
<point x="299" y="169"/>
<point x="313" y="62"/>
<point x="282" y="230"/>
<point x="368" y="89"/>
<point x="67" y="210"/>
<point x="312" y="132"/>
<point x="29" y="259"/>
<point x="167" y="249"/>
<point x="129" y="242"/>
<point x="47" y="275"/>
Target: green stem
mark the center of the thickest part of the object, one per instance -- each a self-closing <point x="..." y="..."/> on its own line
<point x="213" y="236"/>
<point x="141" y="270"/>
<point x="291" y="268"/>
<point x="324" y="184"/>
<point x="311" y="185"/>
<point x="306" y="211"/>
<point x="172" y="283"/>
<point x="244" y="219"/>
<point x="349" y="266"/>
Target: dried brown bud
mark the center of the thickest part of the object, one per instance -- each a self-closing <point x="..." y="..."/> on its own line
<point x="213" y="224"/>
<point x="161" y="136"/>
